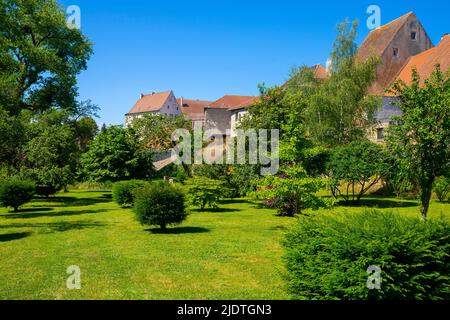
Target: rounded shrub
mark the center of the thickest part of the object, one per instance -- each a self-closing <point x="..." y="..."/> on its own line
<point x="160" y="204"/>
<point x="123" y="192"/>
<point x="332" y="257"/>
<point x="15" y="193"/>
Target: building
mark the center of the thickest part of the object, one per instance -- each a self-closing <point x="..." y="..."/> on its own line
<point x="163" y="103"/>
<point x="235" y="107"/>
<point x="194" y="110"/>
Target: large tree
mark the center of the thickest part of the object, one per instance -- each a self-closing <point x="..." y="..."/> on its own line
<point x="116" y="154"/>
<point x="40" y="56"/>
<point x="421" y="139"/>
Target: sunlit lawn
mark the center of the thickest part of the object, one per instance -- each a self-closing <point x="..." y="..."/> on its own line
<point x="232" y="253"/>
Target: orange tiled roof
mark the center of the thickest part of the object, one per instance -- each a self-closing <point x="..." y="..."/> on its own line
<point x="151" y="102"/>
<point x="426" y="61"/>
<point x="233" y="102"/>
<point x="320" y="72"/>
<point x="379" y="39"/>
<point x="193" y="109"/>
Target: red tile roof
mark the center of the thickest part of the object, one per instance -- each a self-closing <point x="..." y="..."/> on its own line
<point x="193" y="109"/>
<point x="379" y="39"/>
<point x="426" y="61"/>
<point x="151" y="102"/>
<point x="233" y="102"/>
<point x="320" y="72"/>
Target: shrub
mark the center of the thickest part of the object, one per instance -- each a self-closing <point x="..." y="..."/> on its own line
<point x="159" y="204"/>
<point x="123" y="192"/>
<point x="328" y="257"/>
<point x="203" y="192"/>
<point x="291" y="192"/>
<point x="361" y="165"/>
<point x="48" y="180"/>
<point x="15" y="193"/>
<point x="442" y="188"/>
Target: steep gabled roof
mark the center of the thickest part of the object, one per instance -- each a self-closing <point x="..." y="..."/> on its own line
<point x="379" y="39"/>
<point x="151" y="102"/>
<point x="320" y="72"/>
<point x="234" y="102"/>
<point x="426" y="61"/>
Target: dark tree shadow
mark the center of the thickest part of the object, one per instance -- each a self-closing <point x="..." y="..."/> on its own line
<point x="73" y="201"/>
<point x="14" y="236"/>
<point x="57" y="226"/>
<point x="179" y="230"/>
<point x="216" y="210"/>
<point x="379" y="203"/>
<point x="34" y="214"/>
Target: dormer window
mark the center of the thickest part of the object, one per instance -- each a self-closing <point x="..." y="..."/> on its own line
<point x="395" y="52"/>
<point x="413" y="35"/>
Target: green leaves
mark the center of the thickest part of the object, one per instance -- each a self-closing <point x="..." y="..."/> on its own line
<point x="204" y="192"/>
<point x="420" y="142"/>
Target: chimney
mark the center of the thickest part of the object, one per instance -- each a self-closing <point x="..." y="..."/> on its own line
<point x="142" y="95"/>
<point x="444" y="35"/>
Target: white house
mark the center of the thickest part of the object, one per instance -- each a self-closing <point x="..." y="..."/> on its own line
<point x="163" y="103"/>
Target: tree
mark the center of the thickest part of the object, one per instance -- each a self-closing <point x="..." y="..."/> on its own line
<point x="160" y="204"/>
<point x="420" y="140"/>
<point x="116" y="154"/>
<point x="155" y="131"/>
<point x="40" y="56"/>
<point x="344" y="47"/>
<point x="204" y="192"/>
<point x="442" y="188"/>
<point x="291" y="191"/>
<point x="85" y="131"/>
<point x="341" y="110"/>
<point x="361" y="165"/>
<point x="15" y="193"/>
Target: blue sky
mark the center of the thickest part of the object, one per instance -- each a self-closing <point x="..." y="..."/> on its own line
<point x="205" y="49"/>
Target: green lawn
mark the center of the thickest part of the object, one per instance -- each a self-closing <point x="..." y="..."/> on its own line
<point x="233" y="253"/>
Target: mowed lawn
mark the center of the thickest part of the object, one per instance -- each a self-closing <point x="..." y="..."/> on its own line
<point x="231" y="253"/>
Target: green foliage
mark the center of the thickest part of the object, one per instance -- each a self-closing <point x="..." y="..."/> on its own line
<point x="442" y="188"/>
<point x="160" y="204"/>
<point x="48" y="180"/>
<point x="155" y="131"/>
<point x="40" y="56"/>
<point x="361" y="165"/>
<point x="116" y="154"/>
<point x="237" y="179"/>
<point x="204" y="192"/>
<point x="291" y="192"/>
<point x="328" y="257"/>
<point x="420" y="140"/>
<point x="15" y="193"/>
<point x="344" y="47"/>
<point x="123" y="191"/>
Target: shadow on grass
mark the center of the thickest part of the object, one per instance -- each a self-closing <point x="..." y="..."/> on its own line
<point x="216" y="210"/>
<point x="379" y="203"/>
<point x="32" y="213"/>
<point x="14" y="236"/>
<point x="73" y="201"/>
<point x="56" y="226"/>
<point x="179" y="230"/>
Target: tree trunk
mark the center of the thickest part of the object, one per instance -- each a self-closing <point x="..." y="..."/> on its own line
<point x="425" y="198"/>
<point x="163" y="227"/>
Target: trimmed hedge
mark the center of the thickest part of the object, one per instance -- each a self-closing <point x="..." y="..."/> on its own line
<point x="160" y="204"/>
<point x="15" y="193"/>
<point x="123" y="192"/>
<point x="328" y="257"/>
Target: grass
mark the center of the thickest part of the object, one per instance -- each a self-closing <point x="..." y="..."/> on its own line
<point x="230" y="253"/>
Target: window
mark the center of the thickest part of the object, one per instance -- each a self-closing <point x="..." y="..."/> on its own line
<point x="413" y="35"/>
<point x="380" y="134"/>
<point x="395" y="52"/>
